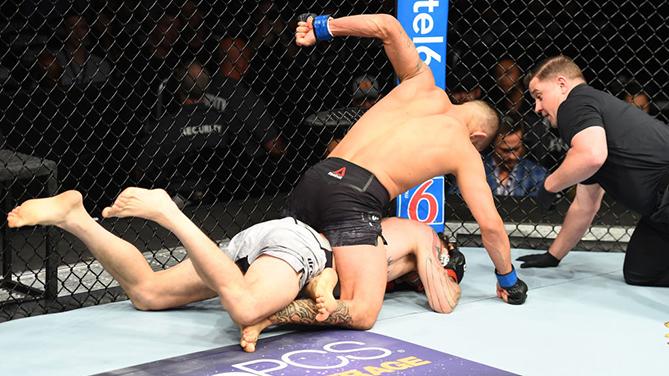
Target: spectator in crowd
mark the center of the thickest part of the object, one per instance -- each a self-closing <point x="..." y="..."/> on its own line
<point x="631" y="91"/>
<point x="542" y="142"/>
<point x="197" y="35"/>
<point x="115" y="41"/>
<point x="639" y="100"/>
<point x="161" y="54"/>
<point x="272" y="31"/>
<point x="235" y="56"/>
<point x="205" y="138"/>
<point x="275" y="59"/>
<point x="509" y="172"/>
<point x="508" y="93"/>
<point x="106" y="41"/>
<point x="48" y="70"/>
<point x="366" y="92"/>
<point x="465" y="89"/>
<point x="80" y="67"/>
<point x="462" y="79"/>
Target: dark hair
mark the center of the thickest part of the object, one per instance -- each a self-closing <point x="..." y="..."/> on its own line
<point x="512" y="122"/>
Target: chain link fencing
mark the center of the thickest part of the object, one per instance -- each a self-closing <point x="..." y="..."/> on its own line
<point x="212" y="101"/>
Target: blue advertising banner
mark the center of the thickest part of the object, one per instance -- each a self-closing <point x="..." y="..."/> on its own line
<point x="326" y="353"/>
<point x="424" y="203"/>
<point x="426" y="23"/>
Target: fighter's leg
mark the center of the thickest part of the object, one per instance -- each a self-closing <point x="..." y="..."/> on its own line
<point x="362" y="271"/>
<point x="147" y="290"/>
<point x="271" y="285"/>
<point x="362" y="277"/>
<point x="319" y="289"/>
<point x="218" y="272"/>
<point x="647" y="255"/>
<point x="151" y="204"/>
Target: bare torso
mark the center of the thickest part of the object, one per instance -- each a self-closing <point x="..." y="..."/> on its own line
<point x="406" y="138"/>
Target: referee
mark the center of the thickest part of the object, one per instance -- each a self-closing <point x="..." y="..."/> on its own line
<point x="615" y="148"/>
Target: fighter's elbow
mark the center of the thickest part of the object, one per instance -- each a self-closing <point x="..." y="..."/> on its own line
<point x="596" y="159"/>
<point x="491" y="226"/>
<point x="385" y="26"/>
<point x="446" y="304"/>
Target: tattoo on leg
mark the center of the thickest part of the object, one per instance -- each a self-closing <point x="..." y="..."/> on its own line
<point x="304" y="312"/>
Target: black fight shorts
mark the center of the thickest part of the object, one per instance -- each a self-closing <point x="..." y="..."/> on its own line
<point x="343" y="201"/>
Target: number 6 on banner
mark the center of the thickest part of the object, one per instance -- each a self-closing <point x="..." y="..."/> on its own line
<point x="424" y="203"/>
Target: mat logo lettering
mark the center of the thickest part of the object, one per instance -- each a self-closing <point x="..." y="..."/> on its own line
<point x="330" y="356"/>
<point x="321" y="353"/>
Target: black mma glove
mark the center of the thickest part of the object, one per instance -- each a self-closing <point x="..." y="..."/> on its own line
<point x="515" y="288"/>
<point x="545" y="199"/>
<point x="456" y="265"/>
<point x="542" y="260"/>
<point x="517" y="293"/>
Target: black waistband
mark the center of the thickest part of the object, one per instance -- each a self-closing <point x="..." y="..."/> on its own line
<point x="361" y="179"/>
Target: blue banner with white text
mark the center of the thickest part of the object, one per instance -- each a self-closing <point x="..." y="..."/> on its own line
<point x="426" y="23"/>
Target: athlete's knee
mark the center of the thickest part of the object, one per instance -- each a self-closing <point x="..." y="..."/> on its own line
<point x="245" y="310"/>
<point x="143" y="303"/>
<point x="364" y="315"/>
<point x="364" y="323"/>
<point x="145" y="298"/>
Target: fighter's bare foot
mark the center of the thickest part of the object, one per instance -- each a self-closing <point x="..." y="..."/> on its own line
<point x="151" y="204"/>
<point x="320" y="289"/>
<point x="54" y="210"/>
<point x="250" y="335"/>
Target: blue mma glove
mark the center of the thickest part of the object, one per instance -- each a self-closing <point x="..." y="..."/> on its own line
<point x="514" y="286"/>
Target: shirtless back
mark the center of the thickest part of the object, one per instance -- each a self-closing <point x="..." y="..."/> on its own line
<point x="414" y="133"/>
<point x="407" y="137"/>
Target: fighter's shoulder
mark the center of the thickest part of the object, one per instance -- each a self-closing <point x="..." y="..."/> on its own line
<point x="421" y="84"/>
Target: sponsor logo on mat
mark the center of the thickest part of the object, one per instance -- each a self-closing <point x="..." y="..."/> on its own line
<point x="327" y="353"/>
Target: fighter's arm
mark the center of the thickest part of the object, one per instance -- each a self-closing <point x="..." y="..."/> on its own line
<point x="476" y="192"/>
<point x="579" y="217"/>
<point x="399" y="48"/>
<point x="413" y="247"/>
<point x="587" y="154"/>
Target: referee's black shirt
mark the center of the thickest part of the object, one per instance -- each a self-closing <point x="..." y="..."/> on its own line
<point x="638" y="145"/>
